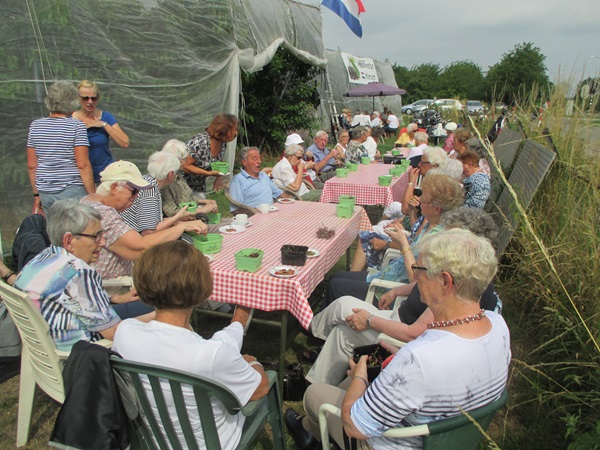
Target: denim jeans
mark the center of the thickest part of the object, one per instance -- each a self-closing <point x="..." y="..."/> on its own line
<point x="77" y="192"/>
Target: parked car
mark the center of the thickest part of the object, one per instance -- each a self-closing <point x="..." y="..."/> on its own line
<point x="417" y="106"/>
<point x="475" y="108"/>
<point x="448" y="103"/>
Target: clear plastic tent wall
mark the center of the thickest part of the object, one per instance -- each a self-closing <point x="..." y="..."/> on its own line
<point x="165" y="68"/>
<point x="339" y="84"/>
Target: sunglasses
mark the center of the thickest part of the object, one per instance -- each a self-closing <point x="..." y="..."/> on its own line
<point x="133" y="191"/>
<point x="87" y="98"/>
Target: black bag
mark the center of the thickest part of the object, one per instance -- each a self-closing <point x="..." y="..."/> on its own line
<point x="294" y="383"/>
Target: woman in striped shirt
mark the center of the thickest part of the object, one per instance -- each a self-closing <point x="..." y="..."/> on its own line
<point x="57" y="151"/>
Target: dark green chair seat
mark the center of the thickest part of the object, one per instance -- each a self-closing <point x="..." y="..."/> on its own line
<point x="145" y="425"/>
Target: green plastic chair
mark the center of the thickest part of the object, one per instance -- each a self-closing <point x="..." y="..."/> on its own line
<point x="448" y="434"/>
<point x="147" y="433"/>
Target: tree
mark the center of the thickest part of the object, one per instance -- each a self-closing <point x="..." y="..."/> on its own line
<point x="518" y="72"/>
<point x="420" y="81"/>
<point x="462" y="79"/>
<point x="279" y="99"/>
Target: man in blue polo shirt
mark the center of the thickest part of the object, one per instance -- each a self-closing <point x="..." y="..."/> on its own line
<point x="251" y="186"/>
<point x="323" y="157"/>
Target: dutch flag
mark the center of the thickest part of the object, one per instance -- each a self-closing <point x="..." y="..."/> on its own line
<point x="349" y="10"/>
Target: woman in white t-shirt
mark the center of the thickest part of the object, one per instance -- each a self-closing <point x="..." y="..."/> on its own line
<point x="285" y="177"/>
<point x="174" y="278"/>
<point x="460" y="363"/>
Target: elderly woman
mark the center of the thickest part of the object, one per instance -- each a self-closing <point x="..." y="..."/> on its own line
<point x="449" y="142"/>
<point x="460" y="138"/>
<point x="174" y="278"/>
<point x="206" y="148"/>
<point x="356" y="150"/>
<point x="178" y="191"/>
<point x="101" y="126"/>
<point x="440" y="376"/>
<point x="57" y="151"/>
<point x="440" y="194"/>
<point x="285" y="177"/>
<point x="145" y="214"/>
<point x="121" y="183"/>
<point x="477" y="183"/>
<point x="349" y="322"/>
<point x="475" y="145"/>
<point x="421" y="140"/>
<point x="342" y="145"/>
<point x="407" y="139"/>
<point x="61" y="282"/>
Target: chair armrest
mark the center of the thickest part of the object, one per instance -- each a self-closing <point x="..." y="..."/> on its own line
<point x="390" y="254"/>
<point x="390" y="340"/>
<point x="323" y="410"/>
<point x="118" y="282"/>
<point x="106" y="343"/>
<point x="250" y="408"/>
<point x="294" y="194"/>
<point x="377" y="282"/>
<point x="62" y="355"/>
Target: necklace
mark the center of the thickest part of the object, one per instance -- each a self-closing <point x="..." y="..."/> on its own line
<point x="447" y="323"/>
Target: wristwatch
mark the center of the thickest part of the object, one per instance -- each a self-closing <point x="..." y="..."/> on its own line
<point x="7" y="275"/>
<point x="369" y="321"/>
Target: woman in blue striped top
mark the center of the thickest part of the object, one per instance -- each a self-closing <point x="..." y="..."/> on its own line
<point x="57" y="151"/>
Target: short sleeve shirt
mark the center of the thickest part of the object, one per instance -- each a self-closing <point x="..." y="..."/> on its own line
<point x="109" y="264"/>
<point x="477" y="188"/>
<point x="145" y="213"/>
<point x="283" y="175"/>
<point x="199" y="148"/>
<point x="70" y="296"/>
<point x="252" y="191"/>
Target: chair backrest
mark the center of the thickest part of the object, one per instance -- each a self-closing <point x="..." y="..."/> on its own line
<point x="459" y="432"/>
<point x="155" y="436"/>
<point x="38" y="346"/>
<point x="250" y="209"/>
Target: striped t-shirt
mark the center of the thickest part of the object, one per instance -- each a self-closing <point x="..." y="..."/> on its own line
<point x="146" y="211"/>
<point x="54" y="140"/>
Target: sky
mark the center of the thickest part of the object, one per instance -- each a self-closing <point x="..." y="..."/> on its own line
<point x="441" y="32"/>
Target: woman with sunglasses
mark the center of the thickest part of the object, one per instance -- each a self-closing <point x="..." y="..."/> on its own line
<point x="121" y="183"/>
<point x="101" y="126"/>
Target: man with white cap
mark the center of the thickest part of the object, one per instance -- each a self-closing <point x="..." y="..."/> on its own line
<point x="449" y="143"/>
<point x="120" y="184"/>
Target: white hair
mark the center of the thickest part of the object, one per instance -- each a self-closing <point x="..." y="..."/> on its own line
<point x="161" y="164"/>
<point x="175" y="147"/>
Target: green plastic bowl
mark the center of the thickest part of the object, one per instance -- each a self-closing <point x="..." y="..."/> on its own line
<point x="396" y="152"/>
<point x="341" y="173"/>
<point x="190" y="206"/>
<point x="344" y="211"/>
<point x="396" y="171"/>
<point x="222" y="167"/>
<point x="214" y="217"/>
<point x="347" y="200"/>
<point x="244" y="262"/>
<point x="365" y="160"/>
<point x="385" y="180"/>
<point x="209" y="244"/>
<point x="352" y="167"/>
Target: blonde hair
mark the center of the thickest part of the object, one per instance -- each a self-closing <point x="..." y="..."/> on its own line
<point x="446" y="192"/>
<point x="90" y="85"/>
<point x="470" y="260"/>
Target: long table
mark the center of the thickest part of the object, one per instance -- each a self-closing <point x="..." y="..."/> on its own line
<point x="294" y="224"/>
<point x="364" y="185"/>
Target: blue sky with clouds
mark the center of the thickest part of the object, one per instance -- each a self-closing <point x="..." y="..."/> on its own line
<point x="412" y="33"/>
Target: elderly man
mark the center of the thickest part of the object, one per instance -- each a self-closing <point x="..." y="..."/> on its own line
<point x="66" y="289"/>
<point x="407" y="139"/>
<point x="251" y="186"/>
<point x="323" y="158"/>
<point x="288" y="173"/>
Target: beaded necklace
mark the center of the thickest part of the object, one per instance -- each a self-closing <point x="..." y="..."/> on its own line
<point x="447" y="323"/>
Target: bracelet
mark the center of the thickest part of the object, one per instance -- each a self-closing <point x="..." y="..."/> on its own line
<point x="36" y="194"/>
<point x="362" y="378"/>
<point x="255" y="363"/>
<point x="7" y="275"/>
<point x="411" y="184"/>
<point x="404" y="251"/>
<point x="104" y="124"/>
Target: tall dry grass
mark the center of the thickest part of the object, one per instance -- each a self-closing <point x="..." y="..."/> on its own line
<point x="550" y="281"/>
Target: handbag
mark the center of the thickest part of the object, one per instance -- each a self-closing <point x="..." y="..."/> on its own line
<point x="294" y="383"/>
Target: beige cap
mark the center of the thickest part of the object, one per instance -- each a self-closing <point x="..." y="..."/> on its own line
<point x="451" y="126"/>
<point x="293" y="138"/>
<point x="125" y="171"/>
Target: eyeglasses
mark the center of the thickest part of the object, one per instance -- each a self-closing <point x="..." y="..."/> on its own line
<point x="133" y="191"/>
<point x="415" y="268"/>
<point x="424" y="162"/>
<point x="299" y="157"/>
<point x="96" y="237"/>
<point x="86" y="98"/>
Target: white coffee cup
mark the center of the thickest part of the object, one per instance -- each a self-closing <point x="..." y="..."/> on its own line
<point x="241" y="219"/>
<point x="264" y="208"/>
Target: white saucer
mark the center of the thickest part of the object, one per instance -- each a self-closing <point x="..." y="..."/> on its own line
<point x="247" y="224"/>
<point x="237" y="229"/>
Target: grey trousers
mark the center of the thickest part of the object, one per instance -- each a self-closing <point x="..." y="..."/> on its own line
<point x="340" y="340"/>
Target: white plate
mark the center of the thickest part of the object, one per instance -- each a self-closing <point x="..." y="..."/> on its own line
<point x="315" y="253"/>
<point x="209" y="258"/>
<point x="273" y="208"/>
<point x="286" y="200"/>
<point x="393" y="230"/>
<point x="246" y="225"/>
<point x="224" y="174"/>
<point x="238" y="229"/>
<point x="273" y="271"/>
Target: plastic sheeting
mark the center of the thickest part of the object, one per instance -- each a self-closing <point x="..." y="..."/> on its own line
<point x="165" y="68"/>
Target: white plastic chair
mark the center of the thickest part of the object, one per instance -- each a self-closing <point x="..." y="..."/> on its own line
<point x="41" y="362"/>
<point x="377" y="282"/>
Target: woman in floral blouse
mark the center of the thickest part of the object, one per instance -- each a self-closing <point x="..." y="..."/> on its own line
<point x="206" y="148"/>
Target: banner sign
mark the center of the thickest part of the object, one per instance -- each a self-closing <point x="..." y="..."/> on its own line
<point x="360" y="70"/>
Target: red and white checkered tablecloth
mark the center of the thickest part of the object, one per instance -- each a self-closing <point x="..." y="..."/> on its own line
<point x="364" y="185"/>
<point x="295" y="224"/>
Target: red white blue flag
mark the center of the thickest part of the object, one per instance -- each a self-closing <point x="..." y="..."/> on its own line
<point x="349" y="10"/>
